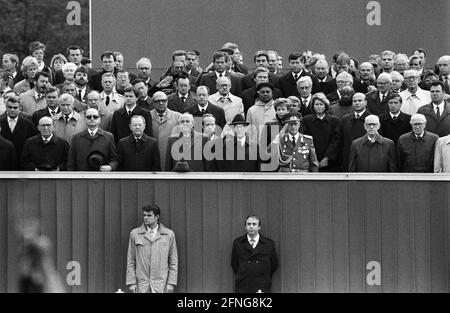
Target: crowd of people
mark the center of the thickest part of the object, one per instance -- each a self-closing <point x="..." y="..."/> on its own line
<point x="389" y="113"/>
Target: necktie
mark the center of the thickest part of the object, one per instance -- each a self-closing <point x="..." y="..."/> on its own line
<point x="438" y="113"/>
<point x="202" y="111"/>
<point x="79" y="95"/>
<point x="107" y="100"/>
<point x="357" y="116"/>
<point x="161" y="117"/>
<point x="383" y="97"/>
<point x="394" y="117"/>
<point x="183" y="99"/>
<point x="305" y="102"/>
<point x="92" y="134"/>
<point x="45" y="141"/>
<point x="12" y="124"/>
<point x="66" y="118"/>
<point x="252" y="243"/>
<point x="295" y="77"/>
<point x="293" y="140"/>
<point x="446" y="87"/>
<point x="129" y="113"/>
<point x="52" y="113"/>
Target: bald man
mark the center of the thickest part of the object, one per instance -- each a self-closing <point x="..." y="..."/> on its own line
<point x="372" y="152"/>
<point x="415" y="149"/>
<point x="46" y="151"/>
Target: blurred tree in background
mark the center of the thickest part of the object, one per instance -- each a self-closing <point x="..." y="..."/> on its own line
<point x="48" y="21"/>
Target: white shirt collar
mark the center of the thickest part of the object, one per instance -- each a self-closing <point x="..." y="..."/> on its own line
<point x="396" y="115"/>
<point x="200" y="108"/>
<point x="126" y="108"/>
<point x="256" y="239"/>
<point x="48" y="139"/>
<point x="93" y="131"/>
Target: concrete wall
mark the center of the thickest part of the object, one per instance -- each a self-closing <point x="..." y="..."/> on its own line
<point x="155" y="28"/>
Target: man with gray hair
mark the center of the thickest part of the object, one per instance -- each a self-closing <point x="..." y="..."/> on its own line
<point x="372" y="152"/>
<point x="304" y="87"/>
<point x="397" y="82"/>
<point x="415" y="149"/>
<point x="144" y="71"/>
<point x="342" y="79"/>
<point x="187" y="145"/>
<point x="413" y="97"/>
<point x="223" y="98"/>
<point x="377" y="101"/>
<point x="444" y="71"/>
<point x="326" y="82"/>
<point x="68" y="122"/>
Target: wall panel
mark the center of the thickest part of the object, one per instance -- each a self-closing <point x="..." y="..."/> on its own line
<point x="325" y="230"/>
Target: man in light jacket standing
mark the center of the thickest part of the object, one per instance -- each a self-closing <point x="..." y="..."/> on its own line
<point x="147" y="270"/>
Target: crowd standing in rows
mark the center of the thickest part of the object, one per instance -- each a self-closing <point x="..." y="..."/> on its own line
<point x="389" y="113"/>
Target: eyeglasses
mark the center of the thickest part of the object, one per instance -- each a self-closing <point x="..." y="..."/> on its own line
<point x="372" y="124"/>
<point x="90" y="117"/>
<point x="417" y="124"/>
<point x="46" y="125"/>
<point x="185" y="121"/>
<point x="160" y="100"/>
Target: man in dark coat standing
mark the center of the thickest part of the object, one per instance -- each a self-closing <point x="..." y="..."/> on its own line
<point x="15" y="127"/>
<point x="394" y="123"/>
<point x="351" y="127"/>
<point x="372" y="152"/>
<point x="8" y="160"/>
<point x="239" y="155"/>
<point x="46" y="151"/>
<point x="253" y="259"/>
<point x="120" y="122"/>
<point x="415" y="150"/>
<point x="138" y="152"/>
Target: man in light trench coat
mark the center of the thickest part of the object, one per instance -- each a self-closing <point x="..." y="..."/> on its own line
<point x="152" y="262"/>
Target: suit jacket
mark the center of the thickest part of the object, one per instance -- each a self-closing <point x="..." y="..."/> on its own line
<point x="248" y="81"/>
<point x="84" y="99"/>
<point x="328" y="86"/>
<point x="237" y="158"/>
<point x="95" y="81"/>
<point x="76" y="124"/>
<point x="348" y="130"/>
<point x="375" y="105"/>
<point x="142" y="156"/>
<point x="379" y="156"/>
<point x="23" y="130"/>
<point x="163" y="129"/>
<point x="29" y="104"/>
<point x="218" y="113"/>
<point x="175" y="103"/>
<point x="441" y="126"/>
<point x="145" y="104"/>
<point x="210" y="78"/>
<point x="394" y="129"/>
<point x="288" y="85"/>
<point x="41" y="113"/>
<point x="8" y="159"/>
<point x="120" y="123"/>
<point x="83" y="144"/>
<point x="253" y="267"/>
<point x="36" y="153"/>
<point x="190" y="149"/>
<point x="416" y="154"/>
<point x="249" y="97"/>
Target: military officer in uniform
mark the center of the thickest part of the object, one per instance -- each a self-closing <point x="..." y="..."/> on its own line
<point x="296" y="151"/>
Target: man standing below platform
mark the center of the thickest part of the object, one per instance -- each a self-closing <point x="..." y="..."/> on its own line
<point x="253" y="259"/>
<point x="152" y="261"/>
